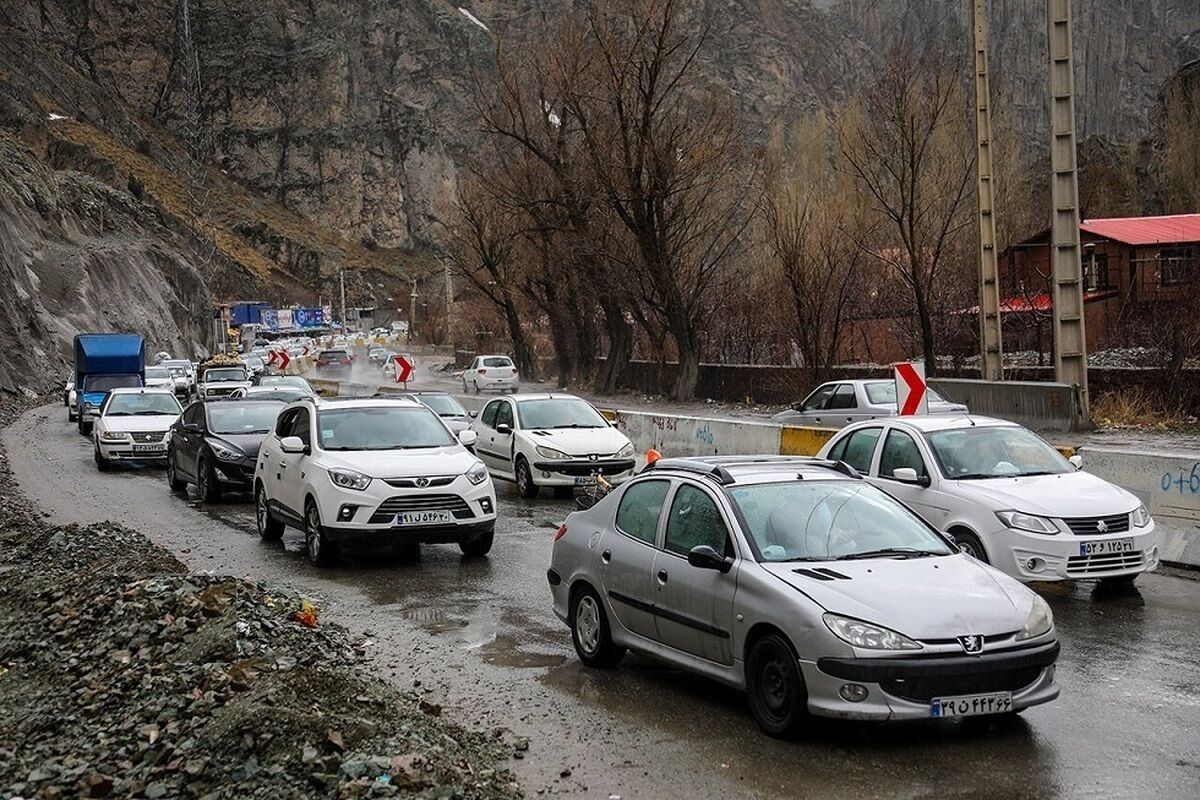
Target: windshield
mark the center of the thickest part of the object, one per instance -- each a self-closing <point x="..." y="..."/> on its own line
<point x="443" y="404"/>
<point x="333" y="355"/>
<point x="559" y="412"/>
<point x="157" y="373"/>
<point x="381" y="428"/>
<point x="138" y="404"/>
<point x="830" y="520"/>
<point x="1007" y="451"/>
<point x="497" y="362"/>
<point x="243" y="418"/>
<point x="883" y="393"/>
<point x="279" y="394"/>
<point x="177" y="372"/>
<point x="227" y="374"/>
<point x="104" y="383"/>
<point x="285" y="380"/>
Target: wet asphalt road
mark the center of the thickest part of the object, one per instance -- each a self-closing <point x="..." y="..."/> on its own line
<point x="481" y="639"/>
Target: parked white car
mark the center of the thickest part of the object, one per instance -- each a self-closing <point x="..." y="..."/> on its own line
<point x="1005" y="496"/>
<point x="358" y="473"/>
<point x="556" y="440"/>
<point x="840" y="403"/>
<point x="133" y="425"/>
<point x="488" y="373"/>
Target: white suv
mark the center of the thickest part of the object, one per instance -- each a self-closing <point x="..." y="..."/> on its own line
<point x="133" y="425"/>
<point x="490" y="372"/>
<point x="371" y="472"/>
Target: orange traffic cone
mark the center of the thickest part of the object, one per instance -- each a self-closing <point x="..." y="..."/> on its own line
<point x="652" y="455"/>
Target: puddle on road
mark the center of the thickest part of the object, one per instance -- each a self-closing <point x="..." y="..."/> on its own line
<point x="492" y="633"/>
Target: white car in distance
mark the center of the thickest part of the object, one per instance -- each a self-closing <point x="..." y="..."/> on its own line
<point x="368" y="473"/>
<point x="133" y="425"/>
<point x="1004" y="495"/>
<point x="554" y="440"/>
<point x="488" y="373"/>
<point x="159" y="378"/>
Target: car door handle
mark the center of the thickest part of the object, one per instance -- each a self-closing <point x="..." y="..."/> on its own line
<point x="606" y="556"/>
<point x="662" y="576"/>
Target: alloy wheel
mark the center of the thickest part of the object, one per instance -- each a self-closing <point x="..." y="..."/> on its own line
<point x="587" y="624"/>
<point x="312" y="534"/>
<point x="260" y="510"/>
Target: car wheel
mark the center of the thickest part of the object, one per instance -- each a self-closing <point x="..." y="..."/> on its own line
<point x="969" y="543"/>
<point x="590" y="632"/>
<point x="85" y="427"/>
<point x="102" y="463"/>
<point x="70" y="415"/>
<point x="269" y="528"/>
<point x="778" y="697"/>
<point x="320" y="551"/>
<point x="207" y="485"/>
<point x="173" y="480"/>
<point x="477" y="547"/>
<point x="525" y="485"/>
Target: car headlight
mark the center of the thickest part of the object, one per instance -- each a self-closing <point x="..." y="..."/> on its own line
<point x="1040" y="620"/>
<point x="349" y="479"/>
<point x="626" y="451"/>
<point x="550" y="452"/>
<point x="867" y="636"/>
<point x="226" y="453"/>
<point x="1027" y="522"/>
<point x="1141" y="516"/>
<point x="113" y="436"/>
<point x="477" y="474"/>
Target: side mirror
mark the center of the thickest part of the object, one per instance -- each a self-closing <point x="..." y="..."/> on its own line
<point x="504" y="428"/>
<point x="193" y="427"/>
<point x="798" y="406"/>
<point x="909" y="475"/>
<point x="704" y="557"/>
<point x="1076" y="461"/>
<point x="468" y="438"/>
<point x="292" y="444"/>
<point x="472" y="414"/>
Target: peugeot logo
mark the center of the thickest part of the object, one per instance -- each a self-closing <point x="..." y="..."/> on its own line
<point x="421" y="483"/>
<point x="1101" y="526"/>
<point x="971" y="644"/>
<point x="592" y="456"/>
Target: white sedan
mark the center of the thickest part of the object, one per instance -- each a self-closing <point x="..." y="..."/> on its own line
<point x="133" y="425"/>
<point x="1005" y="496"/>
<point x="555" y="440"/>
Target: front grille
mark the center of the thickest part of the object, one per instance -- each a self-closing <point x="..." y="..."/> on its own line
<point x="147" y="438"/>
<point x="211" y="390"/>
<point x="411" y="483"/>
<point x="389" y="508"/>
<point x="1108" y="562"/>
<point x="1090" y="526"/>
<point x="583" y="469"/>
<point x="922" y="690"/>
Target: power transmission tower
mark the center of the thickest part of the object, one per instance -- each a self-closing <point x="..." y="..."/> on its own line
<point x="1070" y="341"/>
<point x="991" y="352"/>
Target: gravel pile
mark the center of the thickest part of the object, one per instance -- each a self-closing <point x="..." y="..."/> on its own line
<point x="123" y="676"/>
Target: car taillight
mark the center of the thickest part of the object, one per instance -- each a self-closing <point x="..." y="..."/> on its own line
<point x="321" y="362"/>
<point x="483" y="372"/>
<point x="345" y="361"/>
<point x="561" y="532"/>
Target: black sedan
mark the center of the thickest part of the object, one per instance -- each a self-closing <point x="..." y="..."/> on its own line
<point x="214" y="445"/>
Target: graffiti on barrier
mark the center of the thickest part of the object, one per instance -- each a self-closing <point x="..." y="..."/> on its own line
<point x="1185" y="482"/>
<point x="705" y="434"/>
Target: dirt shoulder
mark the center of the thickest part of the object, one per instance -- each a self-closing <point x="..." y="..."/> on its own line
<point x="123" y="675"/>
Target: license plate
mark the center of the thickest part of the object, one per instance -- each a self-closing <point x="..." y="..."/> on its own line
<point x="585" y="481"/>
<point x="970" y="705"/>
<point x="149" y="448"/>
<point x="424" y="518"/>
<point x="1105" y="547"/>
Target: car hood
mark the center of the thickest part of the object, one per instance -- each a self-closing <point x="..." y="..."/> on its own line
<point x="579" y="441"/>
<point x="150" y="422"/>
<point x="245" y="384"/>
<point x="922" y="598"/>
<point x="1070" y="494"/>
<point x="457" y="424"/>
<point x="248" y="443"/>
<point x="449" y="460"/>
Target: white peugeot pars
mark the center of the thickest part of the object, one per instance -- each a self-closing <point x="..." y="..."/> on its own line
<point x="1005" y="496"/>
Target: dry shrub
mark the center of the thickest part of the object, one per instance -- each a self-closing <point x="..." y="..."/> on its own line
<point x="1137" y="407"/>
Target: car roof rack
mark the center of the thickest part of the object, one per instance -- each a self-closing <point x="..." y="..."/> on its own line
<point x="715" y="471"/>
<point x="715" y="466"/>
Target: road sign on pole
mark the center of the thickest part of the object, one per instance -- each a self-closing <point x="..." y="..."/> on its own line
<point x="404" y="370"/>
<point x="284" y="360"/>
<point x="912" y="393"/>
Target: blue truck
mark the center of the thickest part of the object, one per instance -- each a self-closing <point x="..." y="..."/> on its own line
<point x="105" y="361"/>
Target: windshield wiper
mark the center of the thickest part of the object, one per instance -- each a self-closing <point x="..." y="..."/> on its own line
<point x="901" y="552"/>
<point x="573" y="425"/>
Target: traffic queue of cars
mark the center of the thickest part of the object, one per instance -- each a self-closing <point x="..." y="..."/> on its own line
<point x="883" y="579"/>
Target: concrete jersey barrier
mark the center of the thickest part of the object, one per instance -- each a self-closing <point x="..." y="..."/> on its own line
<point x="1034" y="404"/>
<point x="697" y="436"/>
<point x="1169" y="485"/>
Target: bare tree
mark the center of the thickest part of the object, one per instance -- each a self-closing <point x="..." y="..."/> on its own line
<point x="908" y="146"/>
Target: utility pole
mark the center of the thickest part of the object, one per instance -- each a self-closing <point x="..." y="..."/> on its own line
<point x="1070" y="341"/>
<point x="991" y="364"/>
<point x="342" y="282"/>
<point x="412" y="311"/>
<point x="449" y="299"/>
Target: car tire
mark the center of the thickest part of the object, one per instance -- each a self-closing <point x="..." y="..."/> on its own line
<point x="269" y="528"/>
<point x="525" y="485"/>
<point x="477" y="547"/>
<point x="85" y="427"/>
<point x="969" y="543"/>
<point x="173" y="480"/>
<point x="207" y="485"/>
<point x="775" y="688"/>
<point x="70" y="414"/>
<point x="320" y="551"/>
<point x="590" y="632"/>
<point x="102" y="463"/>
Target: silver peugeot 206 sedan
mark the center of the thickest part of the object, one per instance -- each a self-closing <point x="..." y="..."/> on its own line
<point x="800" y="583"/>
